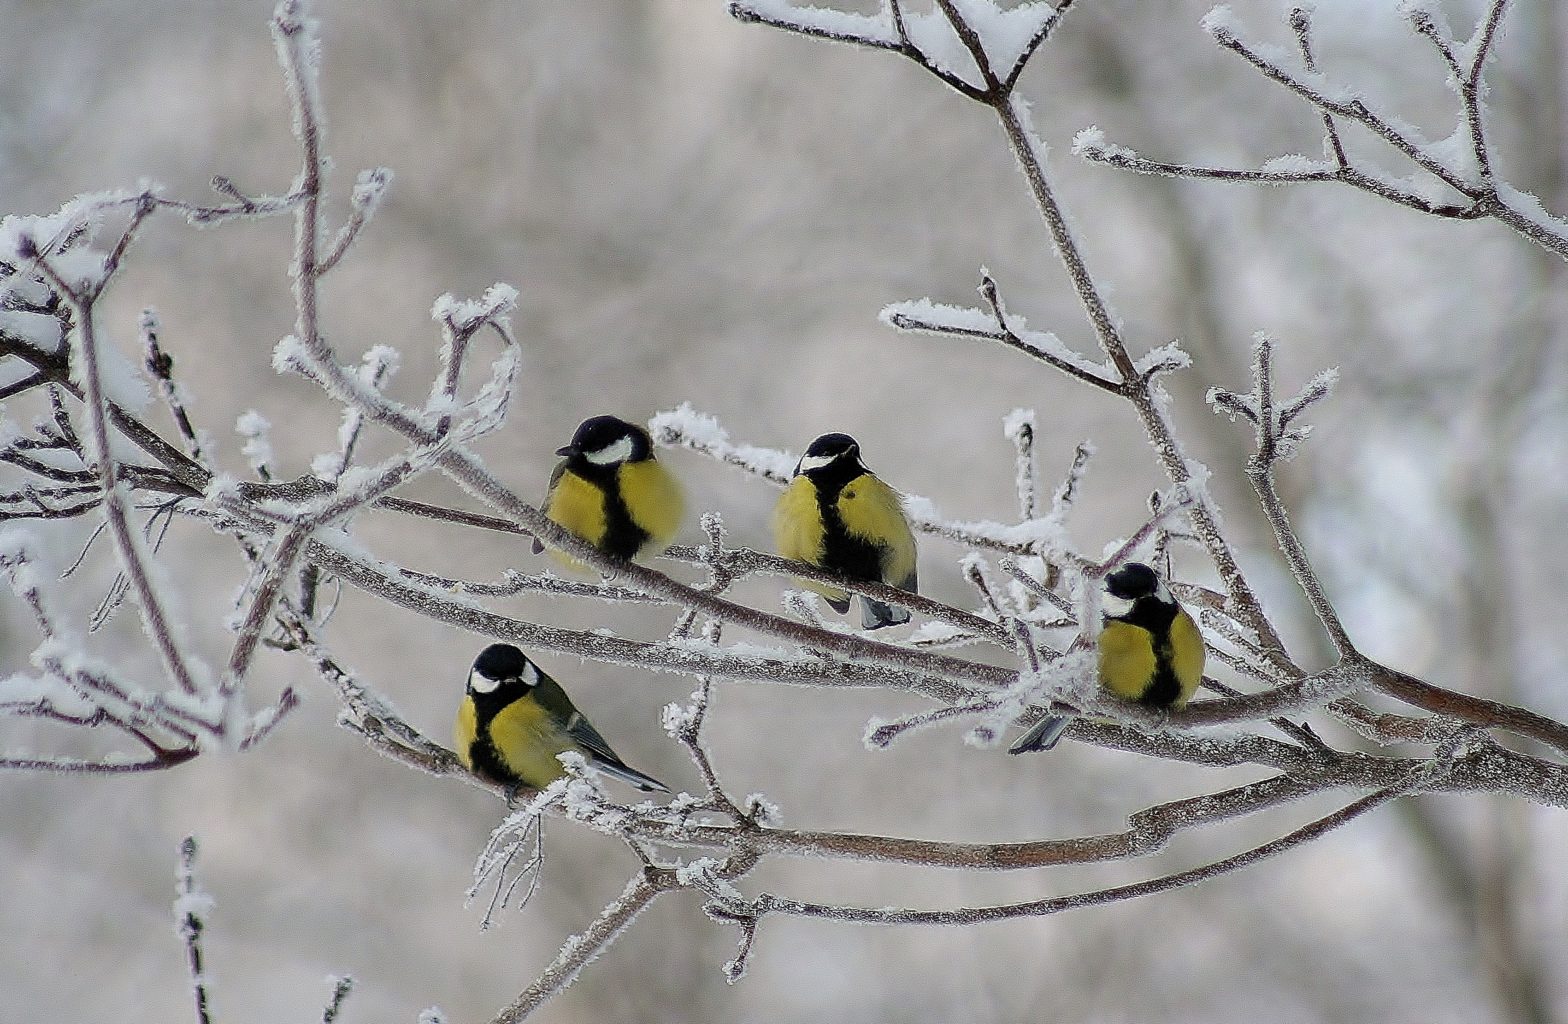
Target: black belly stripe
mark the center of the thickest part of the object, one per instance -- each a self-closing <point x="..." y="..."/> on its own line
<point x="1156" y="617"/>
<point x="1165" y="690"/>
<point x="487" y="760"/>
<point x="842" y="552"/>
<point x="622" y="538"/>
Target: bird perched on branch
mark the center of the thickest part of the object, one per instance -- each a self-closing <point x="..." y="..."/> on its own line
<point x="1150" y="649"/>
<point x="609" y="490"/>
<point x="514" y="720"/>
<point x="836" y="514"/>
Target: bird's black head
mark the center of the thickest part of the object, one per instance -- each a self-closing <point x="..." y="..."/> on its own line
<point x="1135" y="592"/>
<point x="500" y="667"/>
<point x="608" y="441"/>
<point x="828" y="450"/>
<point x="1132" y="581"/>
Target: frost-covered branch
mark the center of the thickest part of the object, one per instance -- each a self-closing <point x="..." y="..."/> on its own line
<point x="74" y="691"/>
<point x="341" y="987"/>
<point x="639" y="894"/>
<point x="976" y="29"/>
<point x="1482" y="194"/>
<point x="189" y="906"/>
<point x="1276" y="437"/>
<point x="367" y="714"/>
<point x="929" y="317"/>
<point x="292" y="533"/>
<point x="161" y="365"/>
<point x="81" y="286"/>
<point x="766" y="903"/>
<point x="1285" y="170"/>
<point x="1276" y="441"/>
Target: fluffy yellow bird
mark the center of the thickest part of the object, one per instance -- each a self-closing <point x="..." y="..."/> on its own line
<point x="514" y="720"/>
<point x="1150" y="649"/>
<point x="609" y="490"/>
<point x="837" y="515"/>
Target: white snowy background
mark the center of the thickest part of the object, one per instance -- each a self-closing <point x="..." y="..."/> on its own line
<point x="699" y="210"/>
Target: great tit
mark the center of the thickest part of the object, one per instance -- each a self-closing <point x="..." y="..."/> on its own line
<point x="1150" y="650"/>
<point x="514" y="720"/>
<point x="837" y="515"/>
<point x="609" y="490"/>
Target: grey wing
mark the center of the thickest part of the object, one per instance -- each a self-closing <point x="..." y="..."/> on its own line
<point x="605" y="759"/>
<point x="587" y="737"/>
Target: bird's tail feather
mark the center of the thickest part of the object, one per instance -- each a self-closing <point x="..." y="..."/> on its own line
<point x="631" y="776"/>
<point x="1042" y="737"/>
<point x="875" y="614"/>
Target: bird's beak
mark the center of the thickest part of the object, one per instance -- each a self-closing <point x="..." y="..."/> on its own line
<point x="566" y="450"/>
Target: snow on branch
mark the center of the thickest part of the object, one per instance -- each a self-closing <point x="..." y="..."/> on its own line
<point x="1470" y="175"/>
<point x="1277" y="441"/>
<point x="925" y="316"/>
<point x="190" y="907"/>
<point x="765" y="903"/>
<point x="702" y="433"/>
<point x="686" y="427"/>
<point x="876" y="30"/>
<point x="977" y="47"/>
<point x="97" y="454"/>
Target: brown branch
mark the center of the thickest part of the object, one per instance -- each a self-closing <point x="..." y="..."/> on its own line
<point x="1260" y="472"/>
<point x="766" y="903"/>
<point x="742" y="11"/>
<point x="83" y="302"/>
<point x="189" y="924"/>
<point x="1301" y="23"/>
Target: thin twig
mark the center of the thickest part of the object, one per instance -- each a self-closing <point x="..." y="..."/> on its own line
<point x="1301" y="24"/>
<point x="640" y="892"/>
<point x="341" y="987"/>
<point x="189" y="921"/>
<point x="114" y="503"/>
<point x="161" y="365"/>
<point x="766" y="903"/>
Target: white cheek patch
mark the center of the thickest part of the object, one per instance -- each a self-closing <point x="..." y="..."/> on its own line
<point x="481" y="683"/>
<point x="811" y="462"/>
<point x="1162" y="594"/>
<point x="530" y="675"/>
<point x="620" y="451"/>
<point x="1114" y="607"/>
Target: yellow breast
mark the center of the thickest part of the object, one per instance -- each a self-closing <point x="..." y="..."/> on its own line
<point x="872" y="511"/>
<point x="798" y="531"/>
<point x="528" y="739"/>
<point x="1187" y="655"/>
<point x="464" y="731"/>
<point x="654" y="501"/>
<point x="1127" y="660"/>
<point x="579" y="506"/>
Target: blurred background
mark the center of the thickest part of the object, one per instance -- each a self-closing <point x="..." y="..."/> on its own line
<point x="700" y="210"/>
